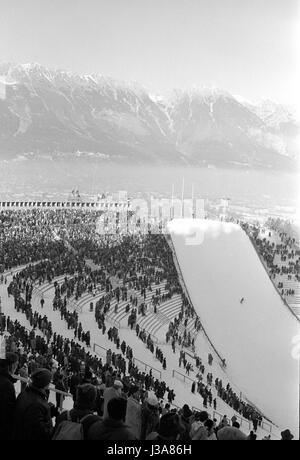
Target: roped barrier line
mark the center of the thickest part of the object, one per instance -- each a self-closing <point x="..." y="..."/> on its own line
<point x="148" y="365"/>
<point x="174" y="372"/>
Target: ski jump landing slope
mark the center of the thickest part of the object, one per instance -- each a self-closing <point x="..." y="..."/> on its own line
<point x="220" y="266"/>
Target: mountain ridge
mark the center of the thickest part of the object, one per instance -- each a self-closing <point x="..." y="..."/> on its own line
<point x="57" y="112"/>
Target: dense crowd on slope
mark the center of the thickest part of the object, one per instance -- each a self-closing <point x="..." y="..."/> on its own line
<point x="139" y="264"/>
<point x="27" y="236"/>
<point x="282" y="258"/>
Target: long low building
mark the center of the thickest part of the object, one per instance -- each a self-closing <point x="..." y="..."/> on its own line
<point x="92" y="205"/>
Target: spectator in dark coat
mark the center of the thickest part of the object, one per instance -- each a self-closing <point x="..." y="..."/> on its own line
<point x="185" y="415"/>
<point x="113" y="427"/>
<point x="252" y="436"/>
<point x="33" y="413"/>
<point x="84" y="406"/>
<point x="7" y="395"/>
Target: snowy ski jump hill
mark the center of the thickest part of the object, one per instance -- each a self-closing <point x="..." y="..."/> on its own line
<point x="220" y="267"/>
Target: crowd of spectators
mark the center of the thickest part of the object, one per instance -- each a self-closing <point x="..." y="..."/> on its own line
<point x="139" y="263"/>
<point x="281" y="255"/>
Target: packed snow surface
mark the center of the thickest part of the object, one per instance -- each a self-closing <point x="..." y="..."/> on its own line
<point x="220" y="267"/>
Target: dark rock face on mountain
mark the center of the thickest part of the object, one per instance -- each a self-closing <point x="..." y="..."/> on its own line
<point x="56" y="113"/>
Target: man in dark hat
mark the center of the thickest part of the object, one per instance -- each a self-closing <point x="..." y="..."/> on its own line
<point x="33" y="412"/>
<point x="8" y="367"/>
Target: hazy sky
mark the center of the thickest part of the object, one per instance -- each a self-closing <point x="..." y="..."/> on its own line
<point x="248" y="47"/>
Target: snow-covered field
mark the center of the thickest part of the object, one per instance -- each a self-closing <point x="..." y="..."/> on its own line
<point x="220" y="267"/>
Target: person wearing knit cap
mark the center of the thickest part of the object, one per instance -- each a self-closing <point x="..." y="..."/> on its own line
<point x="33" y="419"/>
<point x="41" y="378"/>
<point x="230" y="433"/>
<point x="8" y="365"/>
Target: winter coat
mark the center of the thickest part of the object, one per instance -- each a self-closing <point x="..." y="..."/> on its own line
<point x="7" y="405"/>
<point x="33" y="415"/>
<point x="134" y="416"/>
<point x="110" y="430"/>
<point x="76" y="415"/>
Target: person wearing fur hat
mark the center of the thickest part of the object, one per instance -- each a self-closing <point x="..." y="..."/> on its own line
<point x="7" y="395"/>
<point x="33" y="412"/>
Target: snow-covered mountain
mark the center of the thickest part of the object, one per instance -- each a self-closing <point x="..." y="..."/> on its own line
<point x="56" y="113"/>
<point x="282" y="123"/>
